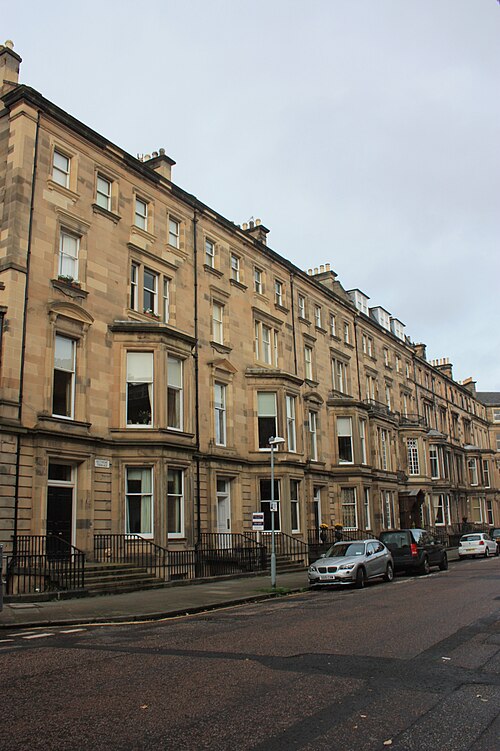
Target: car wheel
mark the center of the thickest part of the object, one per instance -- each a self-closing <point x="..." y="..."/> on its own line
<point x="360" y="578"/>
<point x="443" y="566"/>
<point x="487" y="552"/>
<point x="389" y="573"/>
<point x="425" y="568"/>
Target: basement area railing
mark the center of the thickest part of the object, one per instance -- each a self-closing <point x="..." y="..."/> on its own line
<point x="225" y="553"/>
<point x="44" y="563"/>
<point x="287" y="546"/>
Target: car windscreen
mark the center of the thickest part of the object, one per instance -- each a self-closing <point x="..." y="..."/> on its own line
<point x="394" y="539"/>
<point x="466" y="538"/>
<point x="340" y="550"/>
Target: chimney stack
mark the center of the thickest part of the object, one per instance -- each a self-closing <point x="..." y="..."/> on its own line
<point x="421" y="351"/>
<point x="161" y="163"/>
<point x="9" y="67"/>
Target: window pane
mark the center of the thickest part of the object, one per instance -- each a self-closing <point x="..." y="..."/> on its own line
<point x="174" y="371"/>
<point x="266" y="403"/>
<point x="140" y="367"/>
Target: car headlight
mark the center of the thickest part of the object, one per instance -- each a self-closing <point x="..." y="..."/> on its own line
<point x="313" y="570"/>
<point x="347" y="566"/>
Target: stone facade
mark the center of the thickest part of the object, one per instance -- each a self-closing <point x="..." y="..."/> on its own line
<point x="150" y="347"/>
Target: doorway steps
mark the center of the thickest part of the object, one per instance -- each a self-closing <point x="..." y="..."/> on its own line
<point x="286" y="565"/>
<point x="118" y="578"/>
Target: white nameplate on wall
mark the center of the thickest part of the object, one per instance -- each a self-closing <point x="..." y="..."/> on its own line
<point x="102" y="463"/>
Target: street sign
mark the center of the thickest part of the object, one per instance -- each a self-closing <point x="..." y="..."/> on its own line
<point x="258" y="521"/>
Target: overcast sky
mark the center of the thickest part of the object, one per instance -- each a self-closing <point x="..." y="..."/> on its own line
<point x="364" y="133"/>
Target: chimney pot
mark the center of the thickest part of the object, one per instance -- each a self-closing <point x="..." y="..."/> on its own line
<point x="162" y="152"/>
<point x="315" y="270"/>
<point x="9" y="44"/>
<point x="328" y="267"/>
<point x="252" y="224"/>
<point x="322" y="268"/>
<point x="245" y="226"/>
<point x="257" y="222"/>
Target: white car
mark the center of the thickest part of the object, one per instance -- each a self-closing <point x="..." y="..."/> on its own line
<point x="476" y="543"/>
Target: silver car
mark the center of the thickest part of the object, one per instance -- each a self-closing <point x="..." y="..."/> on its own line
<point x="352" y="563"/>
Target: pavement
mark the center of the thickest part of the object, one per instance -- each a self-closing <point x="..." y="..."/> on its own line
<point x="154" y="604"/>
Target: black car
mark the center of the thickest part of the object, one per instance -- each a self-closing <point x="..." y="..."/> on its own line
<point x="495" y="535"/>
<point x="414" y="550"/>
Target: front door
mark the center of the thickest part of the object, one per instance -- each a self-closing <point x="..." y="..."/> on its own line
<point x="223" y="514"/>
<point x="59" y="509"/>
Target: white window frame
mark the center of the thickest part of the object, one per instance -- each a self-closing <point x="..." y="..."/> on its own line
<point x="261" y="414"/>
<point x="472" y="471"/>
<point x="295" y="505"/>
<point x="166" y="299"/>
<point x="61" y="175"/>
<point x="308" y="362"/>
<point x="434" y="461"/>
<point x="235" y="267"/>
<point x="68" y="262"/>
<point x="348" y="504"/>
<point x="220" y="390"/>
<point x="362" y="442"/>
<point x="290" y="423"/>
<point x="209" y="253"/>
<point x="333" y="325"/>
<point x="413" y="458"/>
<point x="141" y="213"/>
<point x="384" y="454"/>
<point x="147" y="534"/>
<point x="257" y="280"/>
<point x="179" y="498"/>
<point x="486" y="474"/>
<point x="366" y="508"/>
<point x="344" y="431"/>
<point x="151" y="291"/>
<point x="72" y="371"/>
<point x="278" y="292"/>
<point x="175" y="392"/>
<point x="387" y="509"/>
<point x="174" y="232"/>
<point x="347" y="333"/>
<point x="301" y="304"/>
<point x="103" y="192"/>
<point x="218" y="322"/>
<point x="146" y="380"/>
<point x="313" y="435"/>
<point x="317" y="316"/>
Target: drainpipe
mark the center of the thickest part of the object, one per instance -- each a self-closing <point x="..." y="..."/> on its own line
<point x="196" y="378"/>
<point x="357" y="355"/>
<point x="23" y="339"/>
<point x="292" y="297"/>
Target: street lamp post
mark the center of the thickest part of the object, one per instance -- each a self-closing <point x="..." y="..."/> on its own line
<point x="273" y="441"/>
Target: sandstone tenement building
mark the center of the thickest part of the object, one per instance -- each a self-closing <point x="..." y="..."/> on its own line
<point x="150" y="348"/>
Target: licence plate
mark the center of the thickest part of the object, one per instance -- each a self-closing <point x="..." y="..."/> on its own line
<point x="329" y="577"/>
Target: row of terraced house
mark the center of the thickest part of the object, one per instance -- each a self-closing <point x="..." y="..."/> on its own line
<point x="150" y="348"/>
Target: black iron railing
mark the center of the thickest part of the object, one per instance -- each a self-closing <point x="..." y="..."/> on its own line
<point x="412" y="420"/>
<point x="286" y="546"/>
<point x="450" y="534"/>
<point x="44" y="563"/>
<point x="132" y="549"/>
<point x="229" y="553"/>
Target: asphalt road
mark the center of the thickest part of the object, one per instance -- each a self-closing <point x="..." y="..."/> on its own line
<point x="413" y="666"/>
